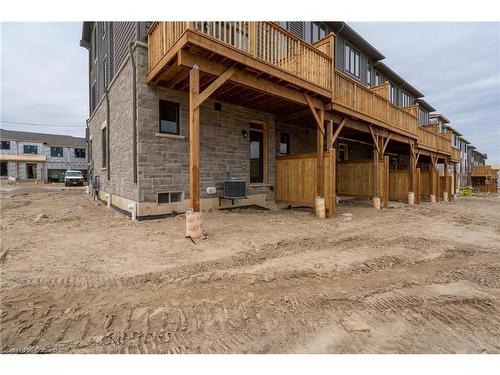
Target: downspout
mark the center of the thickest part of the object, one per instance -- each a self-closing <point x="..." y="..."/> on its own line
<point x="108" y="162"/>
<point x="134" y="112"/>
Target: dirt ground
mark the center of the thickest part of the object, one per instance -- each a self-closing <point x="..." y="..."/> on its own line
<point x="85" y="279"/>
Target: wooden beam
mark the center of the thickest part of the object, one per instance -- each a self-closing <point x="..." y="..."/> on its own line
<point x="339" y="129"/>
<point x="214" y="86"/>
<point x="194" y="139"/>
<point x="188" y="59"/>
<point x="319" y="122"/>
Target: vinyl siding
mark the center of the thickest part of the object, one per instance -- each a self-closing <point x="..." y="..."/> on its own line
<point x="124" y="33"/>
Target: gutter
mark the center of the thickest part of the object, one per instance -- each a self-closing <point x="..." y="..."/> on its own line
<point x="134" y="112"/>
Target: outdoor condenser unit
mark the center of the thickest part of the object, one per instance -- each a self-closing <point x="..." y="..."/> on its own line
<point x="235" y="189"/>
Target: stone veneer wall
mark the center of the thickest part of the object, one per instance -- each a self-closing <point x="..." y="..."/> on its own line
<point x="121" y="136"/>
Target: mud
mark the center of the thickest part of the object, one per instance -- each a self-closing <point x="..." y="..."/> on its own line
<point x="419" y="279"/>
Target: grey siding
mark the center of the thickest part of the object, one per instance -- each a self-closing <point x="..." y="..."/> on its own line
<point x="124" y="33"/>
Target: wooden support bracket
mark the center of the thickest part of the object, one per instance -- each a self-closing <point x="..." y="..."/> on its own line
<point x="337" y="132"/>
<point x="386" y="142"/>
<point x="317" y="117"/>
<point x="375" y="138"/>
<point x="214" y="86"/>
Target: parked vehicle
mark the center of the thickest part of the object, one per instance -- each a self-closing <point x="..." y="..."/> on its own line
<point x="72" y="178"/>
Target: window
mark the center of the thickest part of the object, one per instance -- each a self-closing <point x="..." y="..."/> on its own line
<point x="3" y="169"/>
<point x="378" y="79"/>
<point x="104" y="149"/>
<point x="29" y="149"/>
<point x="393" y="95"/>
<point x="284" y="143"/>
<point x="93" y="96"/>
<point x="343" y="152"/>
<point x="5" y="145"/>
<point x="94" y="46"/>
<point x="351" y="60"/>
<point x="169" y="117"/>
<point x="423" y="117"/>
<point x="369" y="73"/>
<point x="105" y="71"/>
<point x="170" y="197"/>
<point x="79" y="153"/>
<point x="258" y="154"/>
<point x="56" y="152"/>
<point x="307" y="34"/>
<point x="314" y="32"/>
<point x="406" y="99"/>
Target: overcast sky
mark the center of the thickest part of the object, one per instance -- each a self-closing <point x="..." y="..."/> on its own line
<point x="456" y="65"/>
<point x="44" y="75"/>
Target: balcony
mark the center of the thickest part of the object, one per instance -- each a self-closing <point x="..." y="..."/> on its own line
<point x="371" y="105"/>
<point x="484" y="171"/>
<point x="259" y="50"/>
<point x="431" y="141"/>
<point x="274" y="71"/>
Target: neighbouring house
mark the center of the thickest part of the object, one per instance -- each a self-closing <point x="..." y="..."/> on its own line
<point x="219" y="114"/>
<point x="464" y="169"/>
<point x="484" y="179"/>
<point x="42" y="157"/>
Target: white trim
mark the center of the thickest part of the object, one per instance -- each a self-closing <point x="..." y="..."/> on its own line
<point x="104" y="124"/>
<point x="166" y="135"/>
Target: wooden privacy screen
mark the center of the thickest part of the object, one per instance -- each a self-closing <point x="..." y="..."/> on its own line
<point x="442" y="186"/>
<point x="399" y="185"/>
<point x="356" y="178"/>
<point x="296" y="179"/>
<point x="425" y="183"/>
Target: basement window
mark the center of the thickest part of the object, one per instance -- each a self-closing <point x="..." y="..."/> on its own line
<point x="169" y="197"/>
<point x="169" y="117"/>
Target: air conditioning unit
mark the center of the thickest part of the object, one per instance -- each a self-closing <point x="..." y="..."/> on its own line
<point x="235" y="189"/>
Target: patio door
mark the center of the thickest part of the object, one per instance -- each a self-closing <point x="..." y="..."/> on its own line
<point x="258" y="155"/>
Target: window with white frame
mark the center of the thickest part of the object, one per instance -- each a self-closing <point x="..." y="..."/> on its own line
<point x="352" y="60"/>
<point x="406" y="98"/>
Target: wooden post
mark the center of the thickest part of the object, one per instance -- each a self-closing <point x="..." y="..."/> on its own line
<point x="194" y="139"/>
<point x="386" y="181"/>
<point x="446" y="182"/>
<point x="329" y="135"/>
<point x="320" y="160"/>
<point x="330" y="183"/>
<point x="417" y="192"/>
<point x="412" y="168"/>
<point x="375" y="174"/>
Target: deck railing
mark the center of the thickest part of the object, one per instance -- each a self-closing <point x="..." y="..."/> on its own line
<point x="484" y="170"/>
<point x="359" y="98"/>
<point x="430" y="139"/>
<point x="455" y="153"/>
<point x="263" y="40"/>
